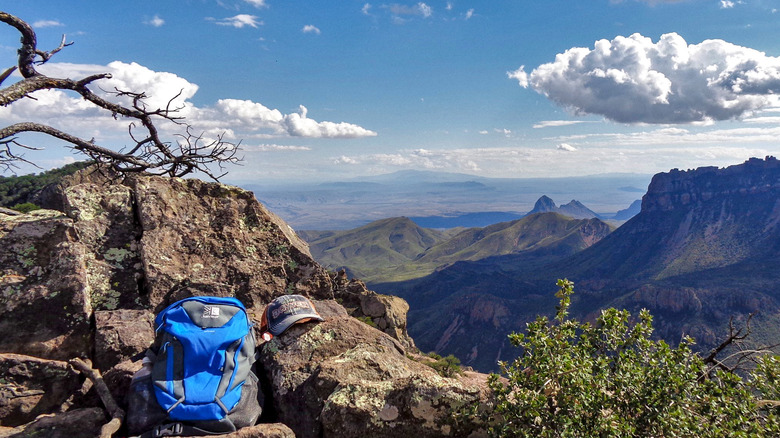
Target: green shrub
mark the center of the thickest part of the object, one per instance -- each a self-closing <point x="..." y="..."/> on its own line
<point x="25" y="207"/>
<point x="609" y="379"/>
<point x="445" y="366"/>
<point x="367" y="320"/>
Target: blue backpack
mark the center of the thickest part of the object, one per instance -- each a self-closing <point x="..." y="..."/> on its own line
<point x="202" y="376"/>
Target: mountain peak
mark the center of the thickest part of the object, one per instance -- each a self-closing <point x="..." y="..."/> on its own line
<point x="543" y="205"/>
<point x="573" y="209"/>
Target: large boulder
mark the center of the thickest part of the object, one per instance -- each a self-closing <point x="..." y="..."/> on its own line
<point x="44" y="291"/>
<point x="343" y="378"/>
<point x="121" y="335"/>
<point x="32" y="386"/>
<point x="219" y="239"/>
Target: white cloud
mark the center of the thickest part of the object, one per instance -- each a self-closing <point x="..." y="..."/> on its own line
<point x="235" y="119"/>
<point x="504" y="131"/>
<point x="483" y="132"/>
<point x="556" y="123"/>
<point x="531" y="162"/>
<point x="46" y="23"/>
<point x="469" y="13"/>
<point x="449" y="6"/>
<point x="420" y="9"/>
<point x="366" y="9"/>
<point x="425" y="10"/>
<point x="520" y="75"/>
<point x="241" y="20"/>
<point x="257" y="3"/>
<point x="311" y="29"/>
<point x="633" y="80"/>
<point x="273" y="148"/>
<point x="345" y="160"/>
<point x="155" y="21"/>
<point x="566" y="147"/>
<point x="298" y="125"/>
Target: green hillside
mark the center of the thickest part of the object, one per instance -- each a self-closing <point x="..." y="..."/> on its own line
<point x="396" y="249"/>
<point x="16" y="190"/>
<point x="380" y="249"/>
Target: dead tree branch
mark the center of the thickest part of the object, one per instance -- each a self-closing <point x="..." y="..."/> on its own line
<point x="117" y="413"/>
<point x="736" y="360"/>
<point x="148" y="152"/>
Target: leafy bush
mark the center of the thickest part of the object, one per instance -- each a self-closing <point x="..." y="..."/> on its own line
<point x="609" y="379"/>
<point x="446" y="366"/>
<point x="367" y="320"/>
<point x="25" y="207"/>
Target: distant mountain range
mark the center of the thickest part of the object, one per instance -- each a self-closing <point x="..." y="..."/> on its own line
<point x="398" y="249"/>
<point x="704" y="248"/>
<point x="439" y="200"/>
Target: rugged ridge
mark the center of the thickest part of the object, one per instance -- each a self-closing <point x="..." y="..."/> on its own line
<point x="85" y="282"/>
<point x="704" y="248"/>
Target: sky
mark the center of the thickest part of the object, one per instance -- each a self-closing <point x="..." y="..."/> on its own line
<point x="331" y="90"/>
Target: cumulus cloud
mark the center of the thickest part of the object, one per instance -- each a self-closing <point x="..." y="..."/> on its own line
<point x="634" y="80"/>
<point x="726" y="4"/>
<point x="241" y="20"/>
<point x="566" y="147"/>
<point x="366" y="9"/>
<point x="298" y="125"/>
<point x="520" y="75"/>
<point x="46" y="23"/>
<point x="233" y="118"/>
<point x="155" y="21"/>
<point x="311" y="29"/>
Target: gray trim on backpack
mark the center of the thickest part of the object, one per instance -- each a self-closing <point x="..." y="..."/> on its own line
<point x="209" y="315"/>
<point x="227" y="370"/>
<point x="160" y="368"/>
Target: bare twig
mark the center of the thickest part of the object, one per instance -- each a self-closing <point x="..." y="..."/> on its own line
<point x="117" y="414"/>
<point x="148" y="153"/>
<point x="734" y="336"/>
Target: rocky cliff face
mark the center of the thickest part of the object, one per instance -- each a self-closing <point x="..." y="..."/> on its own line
<point x="85" y="281"/>
<point x="704" y="248"/>
<point x="682" y="189"/>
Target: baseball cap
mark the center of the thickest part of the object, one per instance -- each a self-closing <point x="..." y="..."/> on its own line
<point x="285" y="311"/>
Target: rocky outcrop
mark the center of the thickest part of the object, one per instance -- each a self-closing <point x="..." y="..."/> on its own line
<point x="32" y="386"/>
<point x="85" y="282"/>
<point x="44" y="288"/>
<point x="338" y="379"/>
<point x="680" y="189"/>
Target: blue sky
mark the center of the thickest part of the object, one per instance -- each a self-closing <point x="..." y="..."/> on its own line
<point x="320" y="90"/>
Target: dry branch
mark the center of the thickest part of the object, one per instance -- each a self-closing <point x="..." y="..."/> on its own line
<point x="117" y="413"/>
<point x="148" y="153"/>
